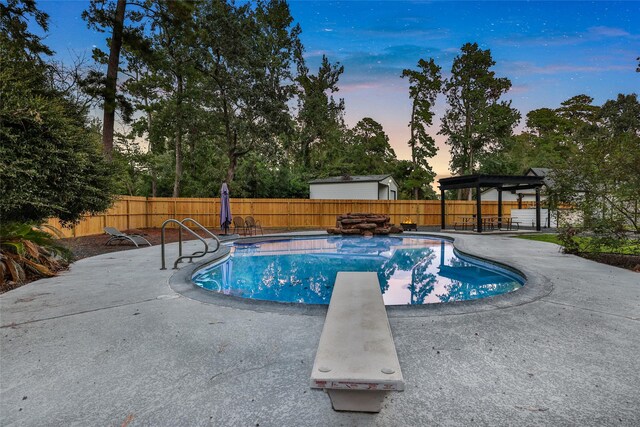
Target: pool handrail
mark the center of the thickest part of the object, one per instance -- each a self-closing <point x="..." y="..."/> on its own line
<point x="213" y="236"/>
<point x="180" y="256"/>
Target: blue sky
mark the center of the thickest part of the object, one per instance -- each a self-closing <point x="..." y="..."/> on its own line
<point x="551" y="50"/>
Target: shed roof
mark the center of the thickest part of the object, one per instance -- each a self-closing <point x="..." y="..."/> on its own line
<point x="544" y="173"/>
<point x="540" y="171"/>
<point x="350" y="178"/>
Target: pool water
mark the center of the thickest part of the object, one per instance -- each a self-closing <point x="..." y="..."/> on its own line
<point x="411" y="270"/>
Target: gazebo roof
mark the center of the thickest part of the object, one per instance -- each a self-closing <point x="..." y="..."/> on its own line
<point x="506" y="182"/>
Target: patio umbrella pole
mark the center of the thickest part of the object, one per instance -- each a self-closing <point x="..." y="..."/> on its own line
<point x="225" y="208"/>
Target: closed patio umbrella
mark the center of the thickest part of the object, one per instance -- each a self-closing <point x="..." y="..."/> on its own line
<point x="225" y="208"/>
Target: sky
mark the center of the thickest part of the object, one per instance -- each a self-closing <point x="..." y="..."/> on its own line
<point x="550" y="50"/>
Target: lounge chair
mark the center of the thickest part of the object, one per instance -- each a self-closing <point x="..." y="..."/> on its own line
<point x="117" y="235"/>
<point x="238" y="222"/>
<point x="253" y="224"/>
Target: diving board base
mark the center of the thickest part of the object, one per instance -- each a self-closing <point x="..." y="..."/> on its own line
<point x="356" y="400"/>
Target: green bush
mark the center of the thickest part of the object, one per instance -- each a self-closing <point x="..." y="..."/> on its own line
<point x="51" y="163"/>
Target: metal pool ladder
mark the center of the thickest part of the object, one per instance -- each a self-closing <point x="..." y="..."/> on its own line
<point x="181" y="226"/>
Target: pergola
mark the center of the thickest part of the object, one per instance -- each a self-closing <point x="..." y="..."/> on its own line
<point x="499" y="182"/>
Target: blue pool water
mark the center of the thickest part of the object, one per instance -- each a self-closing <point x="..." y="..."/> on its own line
<point x="411" y="270"/>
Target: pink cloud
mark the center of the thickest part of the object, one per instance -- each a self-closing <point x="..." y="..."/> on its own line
<point x="516" y="89"/>
<point x="608" y="32"/>
<point x="553" y="69"/>
<point x="529" y="68"/>
<point x="353" y="87"/>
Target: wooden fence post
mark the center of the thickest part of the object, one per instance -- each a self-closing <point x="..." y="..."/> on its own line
<point x="128" y="215"/>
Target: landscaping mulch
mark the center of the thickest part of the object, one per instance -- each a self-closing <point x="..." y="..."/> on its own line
<point x="88" y="246"/>
<point x="630" y="262"/>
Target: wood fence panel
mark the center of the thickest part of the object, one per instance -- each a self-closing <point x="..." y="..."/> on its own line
<point x="141" y="212"/>
<point x="159" y="209"/>
<point x="137" y="212"/>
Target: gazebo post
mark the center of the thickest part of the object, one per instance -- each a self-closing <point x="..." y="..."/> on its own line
<point x="442" y="208"/>
<point x="479" y="208"/>
<point x="499" y="208"/>
<point x="538" y="209"/>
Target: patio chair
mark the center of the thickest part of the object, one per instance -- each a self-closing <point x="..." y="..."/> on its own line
<point x="118" y="236"/>
<point x="252" y="224"/>
<point x="238" y="222"/>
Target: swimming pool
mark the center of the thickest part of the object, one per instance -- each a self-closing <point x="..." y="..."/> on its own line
<point x="411" y="270"/>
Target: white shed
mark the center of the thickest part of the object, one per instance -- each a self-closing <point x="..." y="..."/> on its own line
<point x="358" y="187"/>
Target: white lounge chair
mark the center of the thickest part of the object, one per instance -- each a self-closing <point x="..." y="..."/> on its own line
<point x="117" y="235"/>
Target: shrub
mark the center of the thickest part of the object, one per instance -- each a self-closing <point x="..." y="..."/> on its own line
<point x="27" y="252"/>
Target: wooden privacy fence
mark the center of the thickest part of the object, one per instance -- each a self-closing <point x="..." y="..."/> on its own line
<point x="150" y="212"/>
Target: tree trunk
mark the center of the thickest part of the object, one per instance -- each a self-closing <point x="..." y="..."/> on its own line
<point x="306" y="158"/>
<point x="154" y="185"/>
<point x="233" y="159"/>
<point x="231" y="171"/>
<point x="468" y="137"/>
<point x="470" y="172"/>
<point x="412" y="144"/>
<point x="108" y="121"/>
<point x="178" y="141"/>
<point x="178" y="177"/>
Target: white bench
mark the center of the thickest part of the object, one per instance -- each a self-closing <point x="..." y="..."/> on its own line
<point x="356" y="361"/>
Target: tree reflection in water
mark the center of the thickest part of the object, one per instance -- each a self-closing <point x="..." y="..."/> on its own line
<point x="299" y="273"/>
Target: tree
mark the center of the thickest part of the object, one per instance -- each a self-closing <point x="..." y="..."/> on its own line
<point x="578" y="111"/>
<point x="245" y="57"/>
<point x="476" y="122"/>
<point x="545" y="144"/>
<point x="100" y="15"/>
<point x="320" y="116"/>
<point x="367" y="150"/>
<point x="601" y="175"/>
<point x="169" y="77"/>
<point x="15" y="29"/>
<point x="424" y="86"/>
<point x="51" y="160"/>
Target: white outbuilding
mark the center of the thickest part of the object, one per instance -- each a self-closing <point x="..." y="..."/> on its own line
<point x="358" y="187"/>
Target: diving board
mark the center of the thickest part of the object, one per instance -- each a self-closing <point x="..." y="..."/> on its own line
<point x="356" y="361"/>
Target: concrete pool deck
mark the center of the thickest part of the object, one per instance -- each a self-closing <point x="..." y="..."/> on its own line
<point x="110" y="343"/>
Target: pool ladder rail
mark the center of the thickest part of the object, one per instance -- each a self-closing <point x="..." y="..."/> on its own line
<point x="197" y="254"/>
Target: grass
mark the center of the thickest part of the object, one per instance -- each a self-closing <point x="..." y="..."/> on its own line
<point x="549" y="238"/>
<point x="585" y="244"/>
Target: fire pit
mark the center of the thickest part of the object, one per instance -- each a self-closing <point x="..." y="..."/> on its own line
<point x="408" y="225"/>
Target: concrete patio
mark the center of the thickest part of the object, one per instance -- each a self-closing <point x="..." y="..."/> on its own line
<point x="111" y="343"/>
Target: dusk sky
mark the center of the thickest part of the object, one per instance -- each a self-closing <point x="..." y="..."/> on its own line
<point x="550" y="50"/>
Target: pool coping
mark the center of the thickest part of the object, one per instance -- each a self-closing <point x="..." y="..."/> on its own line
<point x="536" y="286"/>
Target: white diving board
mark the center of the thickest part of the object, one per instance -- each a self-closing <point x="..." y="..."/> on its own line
<point x="356" y="361"/>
